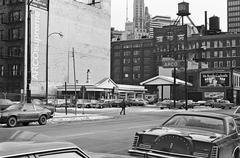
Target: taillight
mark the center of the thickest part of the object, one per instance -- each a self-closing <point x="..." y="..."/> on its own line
<point x="214" y="152"/>
<point x="135" y="141"/>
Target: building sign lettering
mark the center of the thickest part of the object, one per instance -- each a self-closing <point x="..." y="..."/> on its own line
<point x="215" y="79"/>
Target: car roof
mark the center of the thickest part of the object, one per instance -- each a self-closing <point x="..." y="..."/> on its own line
<point x="209" y="114"/>
<point x="17" y="142"/>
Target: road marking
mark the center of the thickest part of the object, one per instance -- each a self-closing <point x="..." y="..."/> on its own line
<point x="75" y="135"/>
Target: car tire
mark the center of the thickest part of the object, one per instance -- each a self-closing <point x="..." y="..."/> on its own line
<point x="12" y="121"/>
<point x="25" y="123"/>
<point x="42" y="120"/>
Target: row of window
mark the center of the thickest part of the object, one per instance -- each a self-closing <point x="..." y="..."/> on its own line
<point x="5" y="2"/>
<point x="220" y="64"/>
<point x="232" y="3"/>
<point x="13" y="16"/>
<point x="13" y="51"/>
<point x="236" y="81"/>
<point x="230" y="14"/>
<point x="234" y="29"/>
<point x="234" y="24"/>
<point x="234" y="19"/>
<point x="234" y="8"/>
<point x="12" y="34"/>
<point x="12" y="70"/>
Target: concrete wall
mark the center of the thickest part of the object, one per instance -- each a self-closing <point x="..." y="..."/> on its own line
<point x="86" y="29"/>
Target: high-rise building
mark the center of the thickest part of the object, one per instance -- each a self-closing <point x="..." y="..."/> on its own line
<point x="147" y="20"/>
<point x="159" y="22"/>
<point x="233" y="15"/>
<point x="81" y="38"/>
<point x="139" y="19"/>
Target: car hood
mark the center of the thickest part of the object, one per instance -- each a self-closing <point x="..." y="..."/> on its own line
<point x="18" y="142"/>
<point x="198" y="135"/>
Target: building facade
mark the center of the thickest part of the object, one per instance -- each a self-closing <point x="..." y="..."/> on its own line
<point x="81" y="38"/>
<point x="220" y="51"/>
<point x="159" y="22"/>
<point x="12" y="28"/>
<point x="233" y="15"/>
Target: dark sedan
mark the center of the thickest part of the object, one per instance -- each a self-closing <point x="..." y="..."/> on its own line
<point x="24" y="113"/>
<point x="25" y="144"/>
<point x="191" y="135"/>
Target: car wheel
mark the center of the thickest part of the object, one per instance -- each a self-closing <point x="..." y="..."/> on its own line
<point x="42" y="120"/>
<point x="12" y="121"/>
<point x="25" y="123"/>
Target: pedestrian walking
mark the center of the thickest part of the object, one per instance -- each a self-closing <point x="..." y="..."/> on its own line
<point x="123" y="106"/>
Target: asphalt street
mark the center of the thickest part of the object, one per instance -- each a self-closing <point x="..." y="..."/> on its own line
<point x="112" y="136"/>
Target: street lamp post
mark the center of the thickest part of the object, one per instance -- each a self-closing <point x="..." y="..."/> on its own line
<point x="61" y="35"/>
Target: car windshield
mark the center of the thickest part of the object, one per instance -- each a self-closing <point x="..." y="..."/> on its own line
<point x="196" y="122"/>
<point x="14" y="107"/>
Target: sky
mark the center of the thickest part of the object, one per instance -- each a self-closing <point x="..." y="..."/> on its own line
<point x="169" y="8"/>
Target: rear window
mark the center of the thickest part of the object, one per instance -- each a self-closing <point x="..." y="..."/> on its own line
<point x="197" y="122"/>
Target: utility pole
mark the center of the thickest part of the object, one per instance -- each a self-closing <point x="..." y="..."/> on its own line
<point x="47" y="53"/>
<point x="28" y="51"/>
<point x="74" y="81"/>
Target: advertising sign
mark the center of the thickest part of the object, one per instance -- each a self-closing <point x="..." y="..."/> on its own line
<point x="41" y="4"/>
<point x="214" y="95"/>
<point x="171" y="63"/>
<point x="215" y="79"/>
<point x="38" y="50"/>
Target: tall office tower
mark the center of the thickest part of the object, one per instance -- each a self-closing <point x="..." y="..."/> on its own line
<point x="159" y="22"/>
<point x="233" y="15"/>
<point x="147" y="20"/>
<point x="138" y="18"/>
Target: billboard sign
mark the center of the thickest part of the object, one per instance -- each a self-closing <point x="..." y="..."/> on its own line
<point x="171" y="63"/>
<point x="38" y="50"/>
<point x="215" y="79"/>
<point x="214" y="95"/>
<point x="41" y="4"/>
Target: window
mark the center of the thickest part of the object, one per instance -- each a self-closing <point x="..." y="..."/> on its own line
<point x="136" y="52"/>
<point x="228" y="43"/>
<point x="15" y="70"/>
<point x="15" y="16"/>
<point x="233" y="63"/>
<point x="208" y="44"/>
<point x="220" y="44"/>
<point x="126" y="53"/>
<point x="136" y="60"/>
<point x="15" y="51"/>
<point x="203" y="55"/>
<point x="126" y="75"/>
<point x="228" y="53"/>
<point x="220" y="63"/>
<point x="61" y="155"/>
<point x="220" y="54"/>
<point x="126" y="68"/>
<point x="117" y="54"/>
<point x="233" y="43"/>
<point x="1" y="34"/>
<point x="136" y="68"/>
<point x="136" y="76"/>
<point x="234" y="53"/>
<point x="215" y="54"/>
<point x="127" y="46"/>
<point x="228" y="63"/>
<point x="15" y="33"/>
<point x="2" y="70"/>
<point x="215" y="44"/>
<point x="126" y="61"/>
<point x="215" y="64"/>
<point x="208" y="54"/>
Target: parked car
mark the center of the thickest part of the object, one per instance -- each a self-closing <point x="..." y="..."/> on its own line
<point x="104" y="104"/>
<point x="50" y="107"/>
<point x="26" y="144"/>
<point x="4" y="103"/>
<point x="24" y="113"/>
<point x="164" y="104"/>
<point x="137" y="102"/>
<point x="209" y="102"/>
<point x="191" y="135"/>
<point x="116" y="103"/>
<point x="224" y="104"/>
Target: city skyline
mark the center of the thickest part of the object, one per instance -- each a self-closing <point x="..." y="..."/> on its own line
<point x="169" y="8"/>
